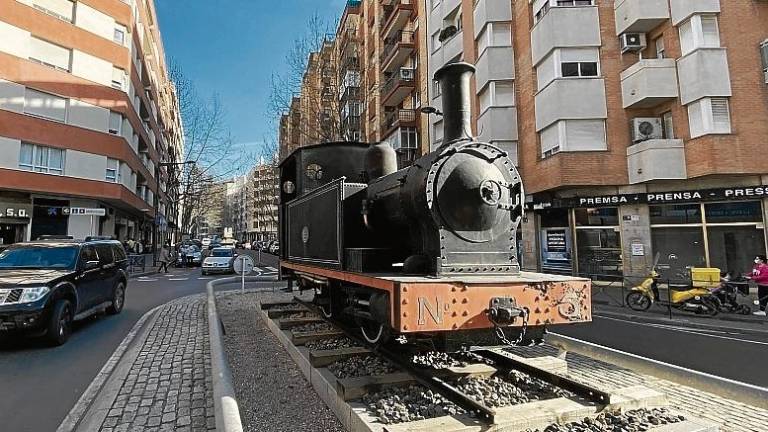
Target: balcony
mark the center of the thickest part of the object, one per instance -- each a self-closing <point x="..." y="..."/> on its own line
<point x="495" y="63"/>
<point x="565" y="27"/>
<point x="649" y="83"/>
<point x="397" y="119"/>
<point x="491" y="11"/>
<point x="401" y="84"/>
<point x="681" y="10"/>
<point x="572" y="99"/>
<point x="396" y="50"/>
<point x="704" y="73"/>
<point x="498" y="124"/>
<point x="640" y="16"/>
<point x="350" y="123"/>
<point x="658" y="159"/>
<point x="396" y="15"/>
<point x="350" y="93"/>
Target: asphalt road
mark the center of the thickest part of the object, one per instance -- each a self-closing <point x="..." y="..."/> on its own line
<point x="41" y="384"/>
<point x="726" y="352"/>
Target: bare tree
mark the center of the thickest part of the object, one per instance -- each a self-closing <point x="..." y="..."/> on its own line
<point x="208" y="143"/>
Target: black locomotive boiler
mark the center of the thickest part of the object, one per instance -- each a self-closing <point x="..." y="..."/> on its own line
<point x="428" y="249"/>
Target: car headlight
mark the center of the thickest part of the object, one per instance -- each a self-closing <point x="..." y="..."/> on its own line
<point x="33" y="294"/>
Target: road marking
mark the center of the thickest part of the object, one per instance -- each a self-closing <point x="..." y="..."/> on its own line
<point x="671" y="328"/>
<point x="146" y="280"/>
<point x="178" y="279"/>
<point x="205" y="278"/>
<point x="272" y="269"/>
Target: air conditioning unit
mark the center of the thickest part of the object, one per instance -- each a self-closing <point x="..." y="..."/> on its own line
<point x="633" y="42"/>
<point x="646" y="128"/>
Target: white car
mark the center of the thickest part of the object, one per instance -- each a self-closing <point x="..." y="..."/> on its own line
<point x="219" y="261"/>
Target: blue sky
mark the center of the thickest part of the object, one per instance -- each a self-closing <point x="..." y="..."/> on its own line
<point x="231" y="47"/>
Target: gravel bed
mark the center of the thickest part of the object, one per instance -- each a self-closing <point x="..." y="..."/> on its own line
<point x="338" y="342"/>
<point x="405" y="404"/>
<point x="297" y="315"/>
<point x="312" y="327"/>
<point x="358" y="366"/>
<point x="286" y="307"/>
<point x="271" y="391"/>
<point x="639" y="420"/>
<point x="516" y="388"/>
<point x="441" y="360"/>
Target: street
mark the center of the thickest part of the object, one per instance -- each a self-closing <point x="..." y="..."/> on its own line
<point x="727" y="353"/>
<point x="47" y="382"/>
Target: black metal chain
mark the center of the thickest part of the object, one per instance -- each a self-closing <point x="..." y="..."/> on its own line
<point x="503" y="338"/>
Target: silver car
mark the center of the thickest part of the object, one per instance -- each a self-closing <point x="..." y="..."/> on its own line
<point x="219" y="261"/>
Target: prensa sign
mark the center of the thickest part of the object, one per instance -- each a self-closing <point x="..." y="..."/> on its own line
<point x="722" y="194"/>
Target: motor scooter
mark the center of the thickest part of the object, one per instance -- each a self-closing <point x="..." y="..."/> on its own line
<point x="731" y="287"/>
<point x="690" y="299"/>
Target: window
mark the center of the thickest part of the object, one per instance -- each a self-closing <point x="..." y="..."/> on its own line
<point x="579" y="69"/>
<point x="113" y="171"/>
<point x="436" y="43"/>
<point x="115" y="123"/>
<point x="120" y="32"/>
<point x="497" y="93"/>
<point x="494" y="34"/>
<point x="668" y="125"/>
<point x="61" y="9"/>
<point x="436" y="88"/>
<point x="660" y="50"/>
<point x="573" y="135"/>
<point x="118" y="78"/>
<point x="409" y="138"/>
<point x="41" y="159"/>
<point x="45" y="105"/>
<point x="709" y="116"/>
<point x="550" y="140"/>
<point x="49" y="54"/>
<point x="574" y="2"/>
<point x="701" y="31"/>
<point x="764" y="56"/>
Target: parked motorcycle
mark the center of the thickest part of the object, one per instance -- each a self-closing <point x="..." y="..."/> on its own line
<point x="731" y="287"/>
<point x="690" y="299"/>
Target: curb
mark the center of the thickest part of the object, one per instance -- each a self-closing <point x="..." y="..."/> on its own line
<point x="83" y="405"/>
<point x="665" y="320"/>
<point x="730" y="389"/>
<point x="225" y="405"/>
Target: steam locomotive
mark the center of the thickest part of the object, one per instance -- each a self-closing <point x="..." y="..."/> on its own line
<point x="426" y="251"/>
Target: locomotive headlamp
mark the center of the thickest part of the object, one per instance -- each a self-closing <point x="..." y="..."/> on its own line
<point x="289" y="187"/>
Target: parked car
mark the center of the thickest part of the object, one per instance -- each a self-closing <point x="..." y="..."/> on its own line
<point x="219" y="261"/>
<point x="46" y="285"/>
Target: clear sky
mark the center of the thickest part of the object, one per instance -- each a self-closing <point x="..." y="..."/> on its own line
<point x="231" y="47"/>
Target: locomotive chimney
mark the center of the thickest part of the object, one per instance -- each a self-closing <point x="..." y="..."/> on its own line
<point x="457" y="103"/>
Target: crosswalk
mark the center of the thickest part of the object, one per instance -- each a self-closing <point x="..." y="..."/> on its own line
<point x="177" y="276"/>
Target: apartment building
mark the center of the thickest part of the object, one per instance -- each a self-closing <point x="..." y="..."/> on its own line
<point x="89" y="121"/>
<point x="348" y="52"/>
<point x="262" y="211"/>
<point x="236" y="207"/>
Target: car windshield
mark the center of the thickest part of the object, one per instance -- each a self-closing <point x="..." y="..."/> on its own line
<point x="222" y="253"/>
<point x="39" y="257"/>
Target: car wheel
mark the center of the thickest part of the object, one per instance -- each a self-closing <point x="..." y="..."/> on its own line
<point x="60" y="324"/>
<point x="118" y="299"/>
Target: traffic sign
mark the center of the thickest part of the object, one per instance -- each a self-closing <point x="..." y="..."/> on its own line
<point x="243" y="265"/>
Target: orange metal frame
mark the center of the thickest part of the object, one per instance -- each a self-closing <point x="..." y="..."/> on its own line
<point x="446" y="305"/>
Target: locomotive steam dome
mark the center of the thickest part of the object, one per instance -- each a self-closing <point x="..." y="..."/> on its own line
<point x="473" y="196"/>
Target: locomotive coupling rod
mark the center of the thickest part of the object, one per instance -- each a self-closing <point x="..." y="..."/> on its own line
<point x="422" y="376"/>
<point x="580" y="389"/>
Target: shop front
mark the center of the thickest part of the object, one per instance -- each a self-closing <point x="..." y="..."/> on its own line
<point x="622" y="235"/>
<point x="15" y="216"/>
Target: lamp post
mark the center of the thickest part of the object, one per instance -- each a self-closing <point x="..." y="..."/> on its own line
<point x="155" y="202"/>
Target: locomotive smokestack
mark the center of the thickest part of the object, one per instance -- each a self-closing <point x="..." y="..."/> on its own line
<point x="457" y="103"/>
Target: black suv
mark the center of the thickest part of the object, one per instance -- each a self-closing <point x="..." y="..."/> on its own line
<point x="46" y="285"/>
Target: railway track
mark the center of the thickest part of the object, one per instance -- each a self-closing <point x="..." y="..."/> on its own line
<point x="399" y="388"/>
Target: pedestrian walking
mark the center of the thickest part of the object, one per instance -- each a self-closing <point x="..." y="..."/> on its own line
<point x="131" y="245"/>
<point x="165" y="258"/>
<point x="183" y="252"/>
<point x="760" y="276"/>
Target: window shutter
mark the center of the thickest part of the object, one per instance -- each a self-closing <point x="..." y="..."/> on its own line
<point x="721" y="118"/>
<point x="505" y="93"/>
<point x="501" y="34"/>
<point x="482" y="40"/>
<point x="115" y="122"/>
<point x="710" y="33"/>
<point x="45" y="105"/>
<point x="60" y="8"/>
<point x="585" y="135"/>
<point x="686" y="37"/>
<point x="764" y="54"/>
<point x="485" y="98"/>
<point x="550" y="138"/>
<point x="26" y="155"/>
<point x="695" y="119"/>
<point x="56" y="160"/>
<point x="49" y="53"/>
<point x="118" y="77"/>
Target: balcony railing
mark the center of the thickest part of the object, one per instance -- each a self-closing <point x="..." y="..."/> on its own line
<point x="395" y="7"/>
<point x="396" y="118"/>
<point x="391" y="44"/>
<point x="403" y="76"/>
<point x="350" y="123"/>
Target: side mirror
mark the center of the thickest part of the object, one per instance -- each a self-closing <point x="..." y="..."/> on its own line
<point x="90" y="265"/>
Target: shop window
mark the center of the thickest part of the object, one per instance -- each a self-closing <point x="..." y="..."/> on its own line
<point x="608" y="216"/>
<point x="746" y="211"/>
<point x="675" y="214"/>
<point x="732" y="248"/>
<point x="685" y="243"/>
<point x="599" y="252"/>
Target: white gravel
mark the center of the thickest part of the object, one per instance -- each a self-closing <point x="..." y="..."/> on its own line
<point x="271" y="390"/>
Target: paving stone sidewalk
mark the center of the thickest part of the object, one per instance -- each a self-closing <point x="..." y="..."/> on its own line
<point x="169" y="386"/>
<point x="730" y="415"/>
